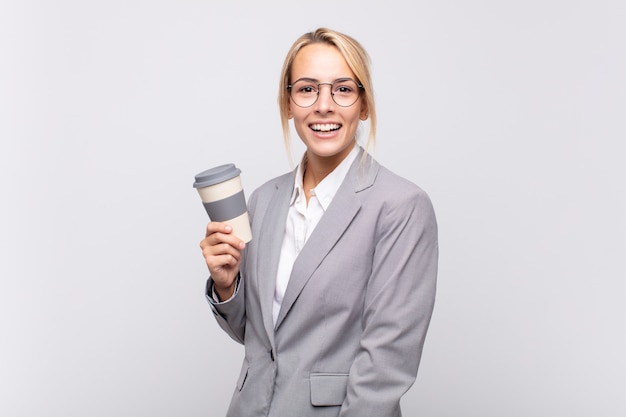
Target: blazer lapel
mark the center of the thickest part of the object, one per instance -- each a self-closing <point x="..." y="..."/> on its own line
<point x="334" y="222"/>
<point x="270" y="241"/>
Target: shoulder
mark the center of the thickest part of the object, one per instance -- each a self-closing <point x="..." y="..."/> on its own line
<point x="369" y="177"/>
<point x="394" y="189"/>
<point x="267" y="190"/>
<point x="276" y="182"/>
<point x="394" y="200"/>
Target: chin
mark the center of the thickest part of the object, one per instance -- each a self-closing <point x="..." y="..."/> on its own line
<point x="327" y="149"/>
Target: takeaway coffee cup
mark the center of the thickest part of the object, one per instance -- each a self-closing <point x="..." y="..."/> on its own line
<point x="222" y="195"/>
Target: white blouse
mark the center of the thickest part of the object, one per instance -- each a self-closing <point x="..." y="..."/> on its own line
<point x="302" y="220"/>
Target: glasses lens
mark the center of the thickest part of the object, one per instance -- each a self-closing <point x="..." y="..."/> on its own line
<point x="304" y="93"/>
<point x="344" y="92"/>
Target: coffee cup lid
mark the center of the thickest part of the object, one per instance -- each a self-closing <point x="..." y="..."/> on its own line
<point x="216" y="175"/>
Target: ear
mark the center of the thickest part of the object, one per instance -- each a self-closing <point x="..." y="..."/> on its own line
<point x="289" y="112"/>
<point x="364" y="111"/>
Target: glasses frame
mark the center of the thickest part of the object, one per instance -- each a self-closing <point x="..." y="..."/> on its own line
<point x="359" y="86"/>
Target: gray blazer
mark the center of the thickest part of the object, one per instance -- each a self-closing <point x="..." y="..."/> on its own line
<point x="351" y="328"/>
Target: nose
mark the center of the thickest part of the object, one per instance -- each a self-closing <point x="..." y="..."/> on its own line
<point x="325" y="101"/>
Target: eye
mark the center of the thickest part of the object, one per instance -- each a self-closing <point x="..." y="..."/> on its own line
<point x="304" y="88"/>
<point x="344" y="87"/>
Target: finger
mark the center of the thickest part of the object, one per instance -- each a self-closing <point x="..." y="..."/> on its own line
<point x="218" y="243"/>
<point x="225" y="261"/>
<point x="220" y="249"/>
<point x="217" y="233"/>
<point x="218" y="227"/>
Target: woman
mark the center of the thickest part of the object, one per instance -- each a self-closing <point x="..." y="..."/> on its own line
<point x="333" y="296"/>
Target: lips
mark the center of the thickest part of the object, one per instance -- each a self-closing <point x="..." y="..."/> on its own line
<point x="324" y="127"/>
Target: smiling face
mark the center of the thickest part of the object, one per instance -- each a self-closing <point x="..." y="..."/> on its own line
<point x="327" y="129"/>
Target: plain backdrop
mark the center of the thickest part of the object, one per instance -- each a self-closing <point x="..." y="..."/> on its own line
<point x="510" y="114"/>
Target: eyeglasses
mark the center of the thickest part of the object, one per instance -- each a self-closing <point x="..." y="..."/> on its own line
<point x="344" y="91"/>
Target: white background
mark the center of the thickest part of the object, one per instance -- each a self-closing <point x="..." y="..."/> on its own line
<point x="510" y="114"/>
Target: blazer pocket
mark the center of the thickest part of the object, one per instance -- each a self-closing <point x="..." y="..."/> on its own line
<point x="328" y="388"/>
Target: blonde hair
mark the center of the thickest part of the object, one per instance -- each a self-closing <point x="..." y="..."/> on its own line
<point x="357" y="59"/>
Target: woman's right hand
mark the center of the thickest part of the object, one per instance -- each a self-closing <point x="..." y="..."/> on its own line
<point x="222" y="253"/>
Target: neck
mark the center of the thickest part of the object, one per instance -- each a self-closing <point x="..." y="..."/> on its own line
<point x="317" y="168"/>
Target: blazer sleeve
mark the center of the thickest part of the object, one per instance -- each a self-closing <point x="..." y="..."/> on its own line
<point x="230" y="314"/>
<point x="398" y="307"/>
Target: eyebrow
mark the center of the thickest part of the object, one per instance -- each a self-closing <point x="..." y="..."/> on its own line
<point x="315" y="80"/>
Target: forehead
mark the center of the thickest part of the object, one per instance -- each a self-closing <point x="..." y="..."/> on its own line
<point x="321" y="62"/>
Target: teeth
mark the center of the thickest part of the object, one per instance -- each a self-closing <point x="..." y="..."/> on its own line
<point x="327" y="127"/>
